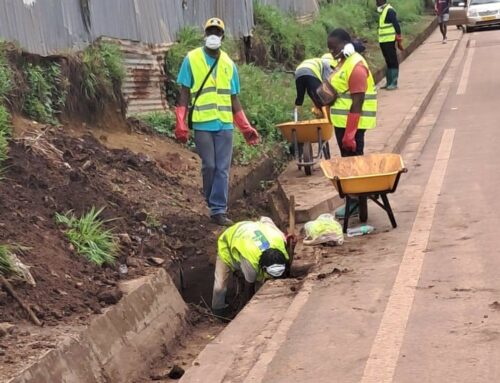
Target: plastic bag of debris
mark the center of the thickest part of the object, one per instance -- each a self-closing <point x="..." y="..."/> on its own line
<point x="324" y="229"/>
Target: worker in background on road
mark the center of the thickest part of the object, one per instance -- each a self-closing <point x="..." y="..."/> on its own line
<point x="255" y="249"/>
<point x="210" y="85"/>
<point x="442" y="8"/>
<point x="389" y="35"/>
<point x="354" y="103"/>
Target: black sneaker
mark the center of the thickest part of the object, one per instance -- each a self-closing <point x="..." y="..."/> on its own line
<point x="221" y="220"/>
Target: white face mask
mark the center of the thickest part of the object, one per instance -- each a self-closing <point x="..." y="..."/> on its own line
<point x="275" y="270"/>
<point x="213" y="42"/>
<point x="380" y="9"/>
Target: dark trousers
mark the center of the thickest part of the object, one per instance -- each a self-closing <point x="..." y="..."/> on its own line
<point x="360" y="142"/>
<point x="390" y="54"/>
<point x="309" y="84"/>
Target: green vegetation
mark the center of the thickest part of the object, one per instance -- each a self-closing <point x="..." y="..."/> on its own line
<point x="6" y="76"/>
<point x="7" y="266"/>
<point x="5" y="132"/>
<point x="6" y="85"/>
<point x="47" y="91"/>
<point x="103" y="72"/>
<point x="88" y="236"/>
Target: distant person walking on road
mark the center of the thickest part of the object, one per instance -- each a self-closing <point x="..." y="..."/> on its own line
<point x="442" y="8"/>
<point x="389" y="35"/>
<point x="257" y="250"/>
<point x="209" y="79"/>
<point x="354" y="107"/>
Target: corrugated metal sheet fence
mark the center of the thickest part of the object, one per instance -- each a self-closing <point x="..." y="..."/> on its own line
<point x="48" y="26"/>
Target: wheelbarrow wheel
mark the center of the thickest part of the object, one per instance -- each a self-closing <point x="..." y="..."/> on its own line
<point x="307" y="155"/>
<point x="363" y="209"/>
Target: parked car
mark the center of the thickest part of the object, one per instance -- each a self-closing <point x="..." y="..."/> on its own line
<point x="475" y="13"/>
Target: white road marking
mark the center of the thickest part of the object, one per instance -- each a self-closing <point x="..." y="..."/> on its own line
<point x="464" y="80"/>
<point x="384" y="354"/>
<point x="259" y="370"/>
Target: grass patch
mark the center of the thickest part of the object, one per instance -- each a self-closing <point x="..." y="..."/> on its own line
<point x="7" y="266"/>
<point x="46" y="96"/>
<point x="6" y="76"/>
<point x="89" y="237"/>
<point x="103" y="72"/>
<point x="5" y="133"/>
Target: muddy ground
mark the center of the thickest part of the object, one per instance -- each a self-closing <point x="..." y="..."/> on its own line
<point x="153" y="197"/>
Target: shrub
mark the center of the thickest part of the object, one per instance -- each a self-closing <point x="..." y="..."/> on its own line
<point x="47" y="91"/>
<point x="6" y="76"/>
<point x="88" y="236"/>
<point x="103" y="72"/>
<point x="5" y="132"/>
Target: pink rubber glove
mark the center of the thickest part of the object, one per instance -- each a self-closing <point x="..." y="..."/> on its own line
<point x="349" y="140"/>
<point x="181" y="129"/>
<point x="250" y="134"/>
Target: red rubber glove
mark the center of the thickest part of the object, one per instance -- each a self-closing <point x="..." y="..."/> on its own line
<point x="399" y="41"/>
<point x="250" y="134"/>
<point x="181" y="129"/>
<point x="349" y="140"/>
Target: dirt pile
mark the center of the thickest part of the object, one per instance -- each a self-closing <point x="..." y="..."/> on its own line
<point x="153" y="207"/>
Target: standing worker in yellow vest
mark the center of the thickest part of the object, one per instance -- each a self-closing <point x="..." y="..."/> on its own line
<point x="354" y="109"/>
<point x="389" y="35"/>
<point x="256" y="249"/>
<point x="209" y="79"/>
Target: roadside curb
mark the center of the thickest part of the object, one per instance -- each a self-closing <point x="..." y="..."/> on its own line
<point x="396" y="144"/>
<point x="116" y="345"/>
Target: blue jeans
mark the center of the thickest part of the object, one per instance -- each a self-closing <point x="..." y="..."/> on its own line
<point x="215" y="150"/>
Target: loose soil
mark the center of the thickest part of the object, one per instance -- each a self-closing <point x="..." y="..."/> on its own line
<point x="151" y="192"/>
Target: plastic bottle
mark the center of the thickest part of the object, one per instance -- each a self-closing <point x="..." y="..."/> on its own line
<point x="360" y="230"/>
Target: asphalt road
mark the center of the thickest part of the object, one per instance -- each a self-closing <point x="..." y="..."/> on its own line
<point x="422" y="302"/>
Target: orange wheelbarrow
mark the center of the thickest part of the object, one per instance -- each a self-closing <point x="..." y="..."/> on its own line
<point x="303" y="134"/>
<point x="372" y="176"/>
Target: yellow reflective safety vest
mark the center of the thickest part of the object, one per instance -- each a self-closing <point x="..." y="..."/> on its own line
<point x="342" y="106"/>
<point x="249" y="239"/>
<point x="315" y="65"/>
<point x="386" y="32"/>
<point x="214" y="102"/>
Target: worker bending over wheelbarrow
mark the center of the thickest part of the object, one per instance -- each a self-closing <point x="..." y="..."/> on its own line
<point x="353" y="99"/>
<point x="310" y="73"/>
<point x="257" y="250"/>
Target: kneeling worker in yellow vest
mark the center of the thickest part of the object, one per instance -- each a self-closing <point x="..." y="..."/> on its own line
<point x="209" y="78"/>
<point x="354" y="110"/>
<point x="256" y="249"/>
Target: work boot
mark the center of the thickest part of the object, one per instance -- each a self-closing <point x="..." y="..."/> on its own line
<point x="387" y="79"/>
<point x="394" y="79"/>
<point x="340" y="212"/>
<point x="221" y="220"/>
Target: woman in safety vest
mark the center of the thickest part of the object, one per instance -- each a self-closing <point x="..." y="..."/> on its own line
<point x="354" y="109"/>
<point x="209" y="78"/>
<point x="256" y="249"/>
